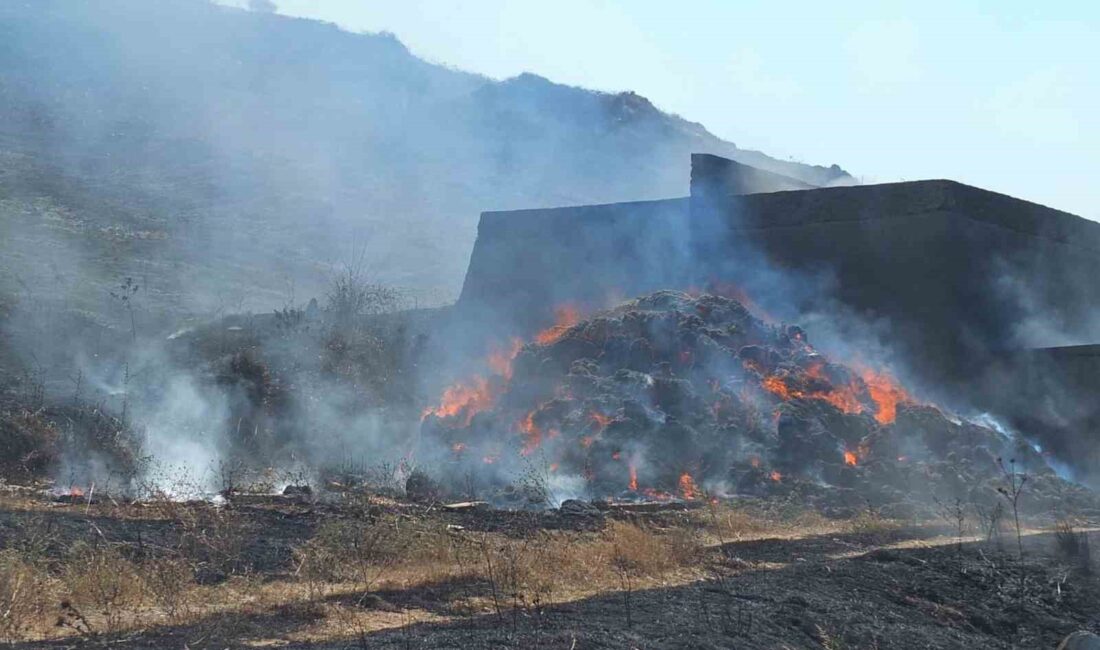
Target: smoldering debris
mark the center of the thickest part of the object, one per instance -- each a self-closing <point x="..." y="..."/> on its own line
<point x="675" y="396"/>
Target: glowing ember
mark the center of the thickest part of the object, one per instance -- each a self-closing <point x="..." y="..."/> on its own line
<point x="687" y="486"/>
<point x="565" y="317"/>
<point x="850" y="458"/>
<point x="843" y="398"/>
<point x="600" y="420"/>
<point x="776" y="476"/>
<point x="754" y="461"/>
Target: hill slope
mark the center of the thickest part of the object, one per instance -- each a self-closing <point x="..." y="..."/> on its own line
<point x="224" y="156"/>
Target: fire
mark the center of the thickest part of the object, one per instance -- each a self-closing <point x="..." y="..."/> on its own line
<point x="754" y="461"/>
<point x="776" y="476"/>
<point x="76" y="492"/>
<point x="778" y="387"/>
<point x="600" y="419"/>
<point x="458" y="447"/>
<point x="489" y="460"/>
<point x="850" y="458"/>
<point x="565" y="317"/>
<point x="470" y="397"/>
<point x="500" y="361"/>
<point x="464" y="398"/>
<point x="687" y="486"/>
<point x="843" y="398"/>
<point x="533" y="434"/>
<point x="886" y="394"/>
<point x="633" y="478"/>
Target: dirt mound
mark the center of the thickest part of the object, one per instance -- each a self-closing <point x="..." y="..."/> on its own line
<point x="674" y="395"/>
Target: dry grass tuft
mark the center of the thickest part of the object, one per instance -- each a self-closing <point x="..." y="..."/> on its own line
<point x="24" y="596"/>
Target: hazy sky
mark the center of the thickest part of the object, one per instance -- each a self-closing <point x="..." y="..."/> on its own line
<point x="1004" y="96"/>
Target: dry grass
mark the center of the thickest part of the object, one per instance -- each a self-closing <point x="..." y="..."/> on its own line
<point x="340" y="577"/>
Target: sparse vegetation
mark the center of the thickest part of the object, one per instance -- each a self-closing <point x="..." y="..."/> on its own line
<point x="372" y="563"/>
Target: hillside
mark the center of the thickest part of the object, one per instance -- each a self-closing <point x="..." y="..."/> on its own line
<point x="231" y="158"/>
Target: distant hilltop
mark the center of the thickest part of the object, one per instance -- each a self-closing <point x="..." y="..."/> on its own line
<point x="242" y="152"/>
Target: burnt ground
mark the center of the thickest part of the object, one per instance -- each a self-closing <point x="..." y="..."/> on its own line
<point x="904" y="587"/>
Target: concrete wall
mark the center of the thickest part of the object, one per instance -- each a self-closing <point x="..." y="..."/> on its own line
<point x="527" y="262"/>
<point x="955" y="272"/>
<point x="956" y="279"/>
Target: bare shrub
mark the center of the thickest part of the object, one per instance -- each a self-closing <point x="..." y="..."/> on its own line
<point x="1073" y="545"/>
<point x="354" y="551"/>
<point x="991" y="517"/>
<point x="1011" y="490"/>
<point x="168" y="582"/>
<point x="953" y="513"/>
<point x="351" y="296"/>
<point x="214" y="539"/>
<point x="24" y="596"/>
<point x="100" y="581"/>
<point x="29" y="443"/>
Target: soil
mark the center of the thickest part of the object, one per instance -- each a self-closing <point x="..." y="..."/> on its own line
<point x="900" y="587"/>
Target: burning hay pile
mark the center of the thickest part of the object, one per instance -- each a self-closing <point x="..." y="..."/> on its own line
<point x="679" y="396"/>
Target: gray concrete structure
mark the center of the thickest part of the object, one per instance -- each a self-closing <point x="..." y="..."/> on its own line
<point x="954" y="278"/>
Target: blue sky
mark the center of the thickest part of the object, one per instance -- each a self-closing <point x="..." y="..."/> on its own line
<point x="1002" y="95"/>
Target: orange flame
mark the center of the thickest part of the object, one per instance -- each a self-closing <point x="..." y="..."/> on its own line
<point x="76" y="492"/>
<point x="687" y="486"/>
<point x="776" y="476"/>
<point x="778" y="387"/>
<point x="850" y="458"/>
<point x="476" y="394"/>
<point x="886" y="394"/>
<point x="463" y="398"/>
<point x="565" y="317"/>
<point x="754" y="461"/>
<point x="633" y="477"/>
<point x="532" y="434"/>
<point x="843" y="398"/>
